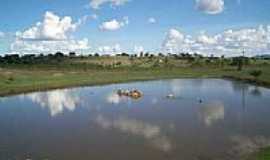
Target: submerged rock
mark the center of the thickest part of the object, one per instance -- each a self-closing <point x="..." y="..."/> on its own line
<point x="135" y="94"/>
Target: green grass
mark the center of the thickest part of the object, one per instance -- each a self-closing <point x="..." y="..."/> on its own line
<point x="244" y="75"/>
<point x="18" y="78"/>
<point x="264" y="154"/>
<point x="14" y="81"/>
<point x="22" y="79"/>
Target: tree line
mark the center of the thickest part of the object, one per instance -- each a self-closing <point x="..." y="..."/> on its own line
<point x="59" y="56"/>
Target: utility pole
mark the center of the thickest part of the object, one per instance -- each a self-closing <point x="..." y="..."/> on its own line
<point x="243" y="58"/>
<point x="241" y="61"/>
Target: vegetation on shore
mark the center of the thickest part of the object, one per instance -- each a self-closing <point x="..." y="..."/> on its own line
<point x="28" y="73"/>
<point x="263" y="154"/>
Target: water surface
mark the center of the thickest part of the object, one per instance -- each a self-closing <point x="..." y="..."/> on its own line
<point x="208" y="119"/>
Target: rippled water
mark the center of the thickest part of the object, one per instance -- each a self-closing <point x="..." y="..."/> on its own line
<point x="94" y="123"/>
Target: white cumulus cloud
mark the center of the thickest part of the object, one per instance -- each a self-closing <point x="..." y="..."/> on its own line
<point x="210" y="6"/>
<point x="115" y="49"/>
<point x="36" y="47"/>
<point x="230" y="42"/>
<point x="52" y="28"/>
<point x="49" y="36"/>
<point x="113" y="24"/>
<point x="95" y="4"/>
<point x="174" y="41"/>
<point x="205" y="39"/>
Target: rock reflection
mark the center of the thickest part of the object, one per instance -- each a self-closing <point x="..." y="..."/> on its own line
<point x="212" y="112"/>
<point x="152" y="133"/>
<point x="56" y="101"/>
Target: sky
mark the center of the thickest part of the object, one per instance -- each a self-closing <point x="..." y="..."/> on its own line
<point x="219" y="27"/>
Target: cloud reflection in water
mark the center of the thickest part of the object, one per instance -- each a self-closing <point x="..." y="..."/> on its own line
<point x="113" y="98"/>
<point x="152" y="133"/>
<point x="56" y="101"/>
<point x="212" y="112"/>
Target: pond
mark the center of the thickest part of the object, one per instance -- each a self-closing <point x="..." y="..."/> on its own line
<point x="207" y="119"/>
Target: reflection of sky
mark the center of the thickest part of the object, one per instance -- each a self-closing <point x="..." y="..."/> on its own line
<point x="56" y="101"/>
<point x="150" y="132"/>
<point x="176" y="87"/>
<point x="153" y="115"/>
<point x="114" y="98"/>
<point x="212" y="112"/>
<point x="199" y="88"/>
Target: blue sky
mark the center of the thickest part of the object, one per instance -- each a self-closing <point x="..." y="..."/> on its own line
<point x="179" y="25"/>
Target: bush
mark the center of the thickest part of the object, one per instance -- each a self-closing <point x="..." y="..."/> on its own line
<point x="10" y="79"/>
<point x="256" y="73"/>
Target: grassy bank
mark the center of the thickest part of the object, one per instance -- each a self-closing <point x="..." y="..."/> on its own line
<point x="15" y="80"/>
<point x="26" y="74"/>
<point x="263" y="154"/>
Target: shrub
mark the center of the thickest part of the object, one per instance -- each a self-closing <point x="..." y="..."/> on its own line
<point x="10" y="79"/>
<point x="256" y="73"/>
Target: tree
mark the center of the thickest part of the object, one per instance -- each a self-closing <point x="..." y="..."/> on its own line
<point x="72" y="54"/>
<point x="222" y="58"/>
<point x="240" y="63"/>
<point x="146" y="54"/>
<point x="59" y="55"/>
<point x="256" y="73"/>
<point x="166" y="61"/>
<point x="28" y="58"/>
<point x="12" y="59"/>
<point x="124" y="54"/>
<point x="161" y="55"/>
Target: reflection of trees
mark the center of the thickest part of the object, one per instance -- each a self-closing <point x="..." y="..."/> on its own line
<point x="197" y="82"/>
<point x="239" y="86"/>
<point x="256" y="92"/>
<point x="212" y="112"/>
<point x="56" y="101"/>
<point x="152" y="133"/>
